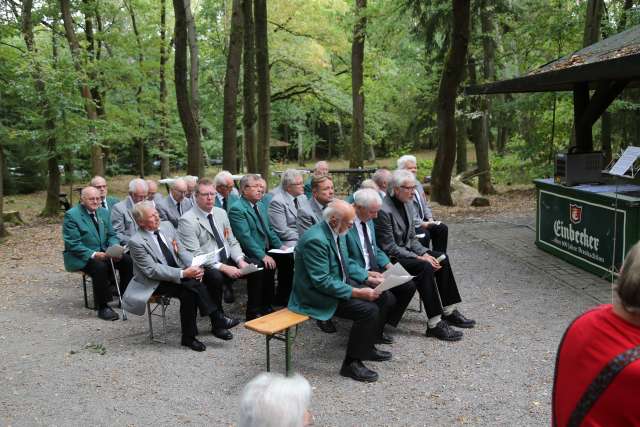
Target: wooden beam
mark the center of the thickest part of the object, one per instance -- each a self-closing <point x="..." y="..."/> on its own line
<point x="584" y="136"/>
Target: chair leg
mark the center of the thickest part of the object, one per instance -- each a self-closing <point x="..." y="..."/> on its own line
<point x="149" y="314"/>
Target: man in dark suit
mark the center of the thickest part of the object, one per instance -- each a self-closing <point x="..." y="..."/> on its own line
<point x="321" y="289"/>
<point x="434" y="231"/>
<point x="106" y="201"/>
<point x="121" y="218"/>
<point x="250" y="223"/>
<point x="321" y="195"/>
<point x="87" y="233"/>
<point x="433" y="279"/>
<point x="364" y="250"/>
<point x="172" y="207"/>
<point x="162" y="265"/>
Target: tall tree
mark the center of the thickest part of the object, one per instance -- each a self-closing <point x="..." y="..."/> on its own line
<point x="164" y="115"/>
<point x="3" y="230"/>
<point x="52" y="204"/>
<point x="357" y="91"/>
<point x="187" y="118"/>
<point x="97" y="161"/>
<point x="249" y="88"/>
<point x="231" y="78"/>
<point x="451" y="76"/>
<point x="264" y="86"/>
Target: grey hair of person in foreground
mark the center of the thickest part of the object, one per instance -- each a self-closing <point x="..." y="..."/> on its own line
<point x="272" y="400"/>
<point x="138" y="182"/>
<point x="399" y="177"/>
<point x="247" y="180"/>
<point x="140" y="208"/>
<point x="289" y="177"/>
<point x="628" y="284"/>
<point x="407" y="158"/>
<point x="367" y="198"/>
<point x="222" y="177"/>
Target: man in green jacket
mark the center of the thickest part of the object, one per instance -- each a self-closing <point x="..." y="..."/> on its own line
<point x="323" y="287"/>
<point x="250" y="224"/>
<point x="87" y="233"/>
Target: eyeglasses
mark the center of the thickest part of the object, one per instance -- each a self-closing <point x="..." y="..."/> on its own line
<point x="207" y="194"/>
<point x="404" y="187"/>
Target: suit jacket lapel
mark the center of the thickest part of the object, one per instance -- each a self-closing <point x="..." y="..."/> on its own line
<point x="255" y="217"/>
<point x="354" y="230"/>
<point x="204" y="222"/>
<point x="154" y="248"/>
<point x="89" y="224"/>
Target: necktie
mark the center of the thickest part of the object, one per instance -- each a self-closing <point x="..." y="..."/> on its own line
<point x="219" y="242"/>
<point x="171" y="261"/>
<point x="95" y="222"/>
<point x="264" y="228"/>
<point x="345" y="276"/>
<point x="416" y="195"/>
<point x="224" y="203"/>
<point x="373" y="264"/>
<point x="179" y="208"/>
<point x="104" y="203"/>
<point x="295" y="202"/>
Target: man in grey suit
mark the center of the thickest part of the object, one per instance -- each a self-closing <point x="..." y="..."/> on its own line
<point x="381" y="177"/>
<point x="121" y="218"/>
<point x="162" y="265"/>
<point x="153" y="194"/>
<point x="396" y="236"/>
<point x="434" y="231"/>
<point x="321" y="195"/>
<point x="172" y="207"/>
<point x="205" y="229"/>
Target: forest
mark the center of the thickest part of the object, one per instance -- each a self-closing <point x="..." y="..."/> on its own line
<point x="154" y="87"/>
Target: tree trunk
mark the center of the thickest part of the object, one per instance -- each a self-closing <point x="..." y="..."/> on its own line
<point x="185" y="111"/>
<point x="231" y="78"/>
<point x="451" y="75"/>
<point x="264" y="87"/>
<point x="97" y="163"/>
<point x="592" y="22"/>
<point x="164" y="117"/>
<point x="3" y="230"/>
<point x="194" y="77"/>
<point x="357" y="91"/>
<point x="489" y="74"/>
<point x="300" y="149"/>
<point x="249" y="89"/>
<point x="461" y="146"/>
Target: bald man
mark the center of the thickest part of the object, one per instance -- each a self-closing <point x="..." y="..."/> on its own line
<point x="106" y="201"/>
<point x="176" y="204"/>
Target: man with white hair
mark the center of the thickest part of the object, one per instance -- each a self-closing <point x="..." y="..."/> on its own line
<point x="172" y="207"/>
<point x="322" y="289"/>
<point x="381" y="177"/>
<point x="191" y="185"/>
<point x="153" y="194"/>
<point x="435" y="231"/>
<point x="106" y="201"/>
<point x="87" y="233"/>
<point x="364" y="250"/>
<point x="224" y="187"/>
<point x="434" y="279"/>
<point x="321" y="168"/>
<point x="121" y="218"/>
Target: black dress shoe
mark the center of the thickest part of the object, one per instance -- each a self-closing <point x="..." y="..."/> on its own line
<point x="443" y="331"/>
<point x="223" y="334"/>
<point x="384" y="339"/>
<point x="251" y="316"/>
<point x="227" y="294"/>
<point x="458" y="320"/>
<point x="266" y="310"/>
<point x="193" y="344"/>
<point x="220" y="321"/>
<point x="326" y="326"/>
<point x="358" y="372"/>
<point x="379" y="355"/>
<point x="106" y="313"/>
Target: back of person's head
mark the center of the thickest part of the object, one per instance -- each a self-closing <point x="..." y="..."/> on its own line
<point x="628" y="284"/>
<point x="272" y="400"/>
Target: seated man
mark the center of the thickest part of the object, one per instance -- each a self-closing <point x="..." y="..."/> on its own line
<point x="87" y="233"/>
<point x="364" y="250"/>
<point x="321" y="289"/>
<point x="172" y="207"/>
<point x="365" y="184"/>
<point x="121" y="217"/>
<point x="106" y="201"/>
<point x="153" y="194"/>
<point x="224" y="187"/>
<point x="205" y="229"/>
<point x="381" y="177"/>
<point x="321" y="195"/>
<point x="321" y="168"/>
<point x="437" y="233"/>
<point x="162" y="265"/>
<point x="191" y="181"/>
<point x="433" y="279"/>
<point x="250" y="223"/>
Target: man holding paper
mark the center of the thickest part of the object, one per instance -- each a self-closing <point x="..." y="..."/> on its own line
<point x="322" y="288"/>
<point x="433" y="276"/>
<point x="364" y="250"/>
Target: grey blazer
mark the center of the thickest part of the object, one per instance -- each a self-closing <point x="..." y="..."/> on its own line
<point x="391" y="233"/>
<point x="420" y="201"/>
<point x="122" y="220"/>
<point x="283" y="215"/>
<point x="169" y="212"/>
<point x="309" y="213"/>
<point x="195" y="234"/>
<point x="150" y="267"/>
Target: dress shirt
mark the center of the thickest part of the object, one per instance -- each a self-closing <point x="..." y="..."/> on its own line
<point x="151" y="235"/>
<point x="216" y="258"/>
<point x="365" y="251"/>
<point x="342" y="266"/>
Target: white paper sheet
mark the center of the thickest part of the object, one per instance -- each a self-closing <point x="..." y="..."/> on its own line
<point x="396" y="270"/>
<point x="251" y="268"/>
<point x="392" y="282"/>
<point x="289" y="250"/>
<point x="199" y="260"/>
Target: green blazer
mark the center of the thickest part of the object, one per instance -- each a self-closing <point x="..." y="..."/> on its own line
<point x="111" y="201"/>
<point x="307" y="187"/>
<point x="248" y="231"/>
<point x="81" y="239"/>
<point x="356" y="253"/>
<point x="317" y="284"/>
<point x="231" y="200"/>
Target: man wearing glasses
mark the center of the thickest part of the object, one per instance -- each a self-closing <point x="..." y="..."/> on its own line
<point x="396" y="236"/>
<point x="175" y="204"/>
<point x="106" y="201"/>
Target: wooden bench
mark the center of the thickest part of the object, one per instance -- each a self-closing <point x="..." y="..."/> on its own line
<point x="273" y="325"/>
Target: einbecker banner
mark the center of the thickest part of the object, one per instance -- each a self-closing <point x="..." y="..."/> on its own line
<point x="581" y="229"/>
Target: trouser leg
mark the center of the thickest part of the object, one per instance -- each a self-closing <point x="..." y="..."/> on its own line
<point x="425" y="284"/>
<point x="366" y="317"/>
<point x="214" y="280"/>
<point x="99" y="271"/>
<point x="404" y="294"/>
<point x="188" y="307"/>
<point x="447" y="287"/>
<point x="285" y="278"/>
<point x="385" y="302"/>
<point x="439" y="237"/>
<point x="125" y="268"/>
<point x="203" y="300"/>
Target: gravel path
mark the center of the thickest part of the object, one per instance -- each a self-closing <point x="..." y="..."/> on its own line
<point x="53" y="373"/>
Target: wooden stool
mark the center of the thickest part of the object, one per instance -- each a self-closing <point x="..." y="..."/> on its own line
<point x="273" y="325"/>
